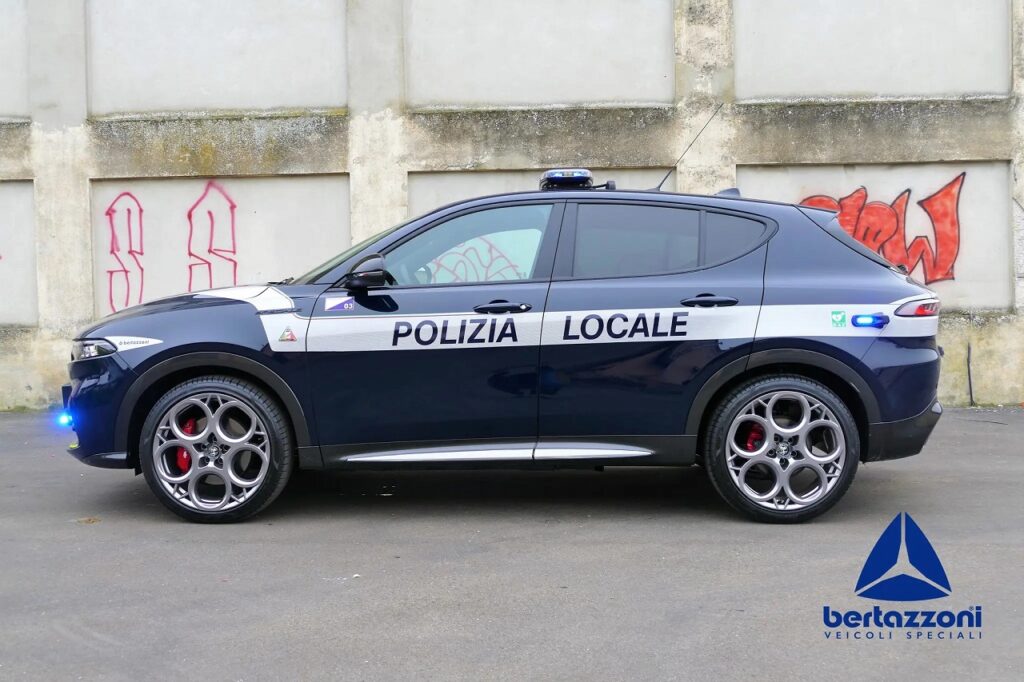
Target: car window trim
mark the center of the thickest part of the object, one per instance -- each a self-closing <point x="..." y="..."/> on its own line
<point x="545" y="252"/>
<point x="567" y="244"/>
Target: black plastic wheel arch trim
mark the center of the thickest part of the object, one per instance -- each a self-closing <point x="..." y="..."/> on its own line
<point x="781" y="356"/>
<point x="212" y="361"/>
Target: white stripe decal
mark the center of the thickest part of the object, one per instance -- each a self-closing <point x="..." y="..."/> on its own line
<point x="288" y="332"/>
<point x="779" y="321"/>
<point x="649" y="324"/>
<point x="435" y="332"/>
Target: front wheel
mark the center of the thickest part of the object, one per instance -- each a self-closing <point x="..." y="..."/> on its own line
<point x="216" y="449"/>
<point x="782" y="449"/>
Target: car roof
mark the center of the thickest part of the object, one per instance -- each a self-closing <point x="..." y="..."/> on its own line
<point x="651" y="195"/>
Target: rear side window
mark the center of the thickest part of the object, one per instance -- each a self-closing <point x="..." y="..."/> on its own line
<point x="836" y="230"/>
<point x="730" y="235"/>
<point x="623" y="240"/>
<point x="618" y="240"/>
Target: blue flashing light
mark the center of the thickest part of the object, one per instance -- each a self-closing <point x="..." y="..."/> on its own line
<point x="555" y="178"/>
<point x="64" y="418"/>
<point x="876" y="320"/>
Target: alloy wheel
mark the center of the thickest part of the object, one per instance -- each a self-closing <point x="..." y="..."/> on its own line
<point x="211" y="452"/>
<point x="785" y="450"/>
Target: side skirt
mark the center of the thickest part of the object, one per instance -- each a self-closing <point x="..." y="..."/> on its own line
<point x="576" y="452"/>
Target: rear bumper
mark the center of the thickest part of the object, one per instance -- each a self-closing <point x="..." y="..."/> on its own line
<point x="894" y="440"/>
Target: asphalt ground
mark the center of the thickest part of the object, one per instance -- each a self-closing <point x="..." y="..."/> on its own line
<point x="622" y="574"/>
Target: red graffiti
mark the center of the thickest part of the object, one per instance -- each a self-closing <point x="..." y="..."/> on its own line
<point x="126" y="279"/>
<point x="882" y="227"/>
<point x="479" y="260"/>
<point x="211" y="240"/>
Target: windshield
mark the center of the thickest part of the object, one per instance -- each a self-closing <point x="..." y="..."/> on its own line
<point x="319" y="271"/>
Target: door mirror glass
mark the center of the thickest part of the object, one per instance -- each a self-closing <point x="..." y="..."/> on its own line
<point x="368" y="273"/>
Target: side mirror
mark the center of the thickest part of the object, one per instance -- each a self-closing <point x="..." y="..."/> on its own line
<point x="368" y="273"/>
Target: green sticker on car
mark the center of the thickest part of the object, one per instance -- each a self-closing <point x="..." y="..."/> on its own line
<point x="838" y="318"/>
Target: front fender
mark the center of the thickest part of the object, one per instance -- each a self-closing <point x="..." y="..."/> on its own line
<point x="212" y="361"/>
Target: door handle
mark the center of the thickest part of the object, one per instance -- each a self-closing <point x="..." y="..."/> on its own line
<point x="709" y="301"/>
<point x="500" y="306"/>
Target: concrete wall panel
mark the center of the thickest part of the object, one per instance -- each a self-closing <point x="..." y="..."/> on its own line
<point x="17" y="255"/>
<point x="155" y="238"/>
<point x="13" y="58"/>
<point x="958" y="235"/>
<point x="871" y="48"/>
<point x="428" y="191"/>
<point x="493" y="53"/>
<point x="173" y="55"/>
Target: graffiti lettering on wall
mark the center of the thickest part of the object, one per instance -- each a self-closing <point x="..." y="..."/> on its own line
<point x="210" y="242"/>
<point x="126" y="276"/>
<point x="882" y="227"/>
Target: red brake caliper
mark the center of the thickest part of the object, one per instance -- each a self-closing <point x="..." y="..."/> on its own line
<point x="754" y="437"/>
<point x="184" y="459"/>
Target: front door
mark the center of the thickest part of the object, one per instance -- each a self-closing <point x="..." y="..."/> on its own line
<point x="646" y="303"/>
<point x="442" y="365"/>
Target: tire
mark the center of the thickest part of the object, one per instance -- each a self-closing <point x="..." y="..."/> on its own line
<point x="228" y="455"/>
<point x="781" y="482"/>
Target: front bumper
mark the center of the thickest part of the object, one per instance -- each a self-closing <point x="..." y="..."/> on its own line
<point x="92" y="400"/>
<point x="103" y="460"/>
<point x="894" y="440"/>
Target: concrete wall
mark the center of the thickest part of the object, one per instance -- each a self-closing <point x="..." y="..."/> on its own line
<point x="155" y="238"/>
<point x="945" y="222"/>
<point x="487" y="53"/>
<point x="17" y="254"/>
<point x="430" y="190"/>
<point x="324" y="121"/>
<point x="195" y="55"/>
<point x="14" y="58"/>
<point x="871" y="48"/>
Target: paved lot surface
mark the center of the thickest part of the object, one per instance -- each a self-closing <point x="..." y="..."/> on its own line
<point x="627" y="574"/>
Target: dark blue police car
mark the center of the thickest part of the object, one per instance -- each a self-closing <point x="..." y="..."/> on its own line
<point x="575" y="328"/>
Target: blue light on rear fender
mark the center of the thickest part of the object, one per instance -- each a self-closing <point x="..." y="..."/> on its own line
<point x="876" y="320"/>
<point x="65" y="419"/>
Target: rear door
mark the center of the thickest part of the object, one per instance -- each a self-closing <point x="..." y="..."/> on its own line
<point x="647" y="302"/>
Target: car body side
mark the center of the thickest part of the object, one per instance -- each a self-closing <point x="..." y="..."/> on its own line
<point x="888" y="380"/>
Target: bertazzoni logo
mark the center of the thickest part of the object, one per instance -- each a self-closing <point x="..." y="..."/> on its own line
<point x="902" y="567"/>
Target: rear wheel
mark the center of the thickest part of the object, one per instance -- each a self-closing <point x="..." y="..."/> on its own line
<point x="782" y="449"/>
<point x="216" y="449"/>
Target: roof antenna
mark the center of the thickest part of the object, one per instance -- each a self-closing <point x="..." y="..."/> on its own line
<point x="695" y="137"/>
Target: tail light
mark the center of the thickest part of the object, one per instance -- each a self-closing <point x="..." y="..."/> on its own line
<point x="918" y="309"/>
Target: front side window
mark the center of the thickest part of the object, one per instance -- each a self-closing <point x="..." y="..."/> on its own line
<point x="619" y="240"/>
<point x="492" y="245"/>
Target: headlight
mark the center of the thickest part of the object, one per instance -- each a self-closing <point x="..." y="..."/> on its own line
<point x="91" y="348"/>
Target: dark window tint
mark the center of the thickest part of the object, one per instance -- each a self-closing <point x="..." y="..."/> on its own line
<point x="729" y="236"/>
<point x="836" y="230"/>
<point x="619" y="240"/>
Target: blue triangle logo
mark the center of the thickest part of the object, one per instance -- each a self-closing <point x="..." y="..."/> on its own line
<point x="903" y="566"/>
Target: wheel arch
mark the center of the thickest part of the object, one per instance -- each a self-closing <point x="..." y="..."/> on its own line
<point x="842" y="379"/>
<point x="155" y="381"/>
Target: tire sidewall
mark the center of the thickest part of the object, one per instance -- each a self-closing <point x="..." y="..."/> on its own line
<point x="280" y="450"/>
<point x="729" y="409"/>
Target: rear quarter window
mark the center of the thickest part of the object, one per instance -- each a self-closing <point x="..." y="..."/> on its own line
<point x="836" y="230"/>
<point x="729" y="236"/>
